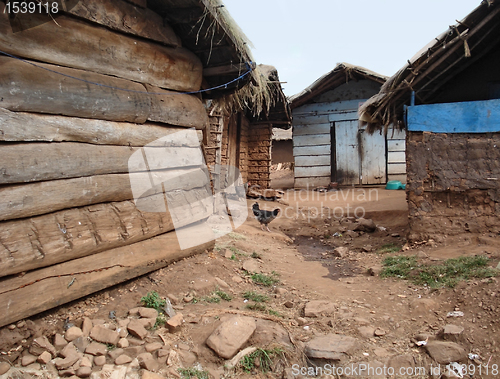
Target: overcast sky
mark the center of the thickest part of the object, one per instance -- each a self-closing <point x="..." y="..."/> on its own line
<point x="306" y="39"/>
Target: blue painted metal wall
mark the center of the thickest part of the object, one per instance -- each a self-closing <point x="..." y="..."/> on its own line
<point x="466" y="117"/>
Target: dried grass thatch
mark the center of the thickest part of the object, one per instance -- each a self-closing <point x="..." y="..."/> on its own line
<point x="260" y="94"/>
<point x="433" y="66"/>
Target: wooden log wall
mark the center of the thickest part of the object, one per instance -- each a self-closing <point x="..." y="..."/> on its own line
<point x="90" y="93"/>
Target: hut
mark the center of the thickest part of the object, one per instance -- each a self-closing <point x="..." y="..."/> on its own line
<point x="329" y="144"/>
<point x="447" y="98"/>
<point x="81" y="92"/>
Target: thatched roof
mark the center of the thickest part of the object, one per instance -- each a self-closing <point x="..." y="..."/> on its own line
<point x="434" y="65"/>
<point x="342" y="73"/>
<point x="207" y="29"/>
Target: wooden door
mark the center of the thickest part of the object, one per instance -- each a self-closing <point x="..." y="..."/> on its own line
<point x="372" y="157"/>
<point x="346" y="147"/>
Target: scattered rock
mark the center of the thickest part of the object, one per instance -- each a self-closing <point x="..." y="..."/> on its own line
<point x="148" y="312"/>
<point x="136" y="329"/>
<point x="28" y="359"/>
<point x="251" y="265"/>
<point x="268" y="332"/>
<point x="147" y="361"/>
<point x="44" y="358"/>
<point x="64" y="363"/>
<point x="237" y="279"/>
<point x="96" y="349"/>
<point x="365" y="225"/>
<point x="221" y="283"/>
<point x="301" y="321"/>
<point x="399" y="361"/>
<point x="231" y="335"/>
<point x="446" y="352"/>
<point x="452" y="332"/>
<point x="122" y="360"/>
<point x="4" y="367"/>
<point x="59" y="342"/>
<point x="288" y="304"/>
<point x="151" y="375"/>
<point x="84" y="372"/>
<point x="379" y="332"/>
<point x="123" y="343"/>
<point x="101" y="334"/>
<point x="174" y="324"/>
<point x="316" y="308"/>
<point x="152" y="347"/>
<point x="331" y="346"/>
<point x="100" y="360"/>
<point x="340" y="252"/>
<point x="375" y="270"/>
<point x="73" y="333"/>
<point x="366" y="331"/>
<point x="40" y="345"/>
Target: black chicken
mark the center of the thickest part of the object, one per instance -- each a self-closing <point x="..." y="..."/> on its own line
<point x="263" y="216"/>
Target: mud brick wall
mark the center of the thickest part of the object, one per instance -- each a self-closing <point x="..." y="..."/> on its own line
<point x="453" y="184"/>
<point x="259" y="154"/>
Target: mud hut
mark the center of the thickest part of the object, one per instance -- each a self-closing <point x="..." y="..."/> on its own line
<point x="282" y="148"/>
<point x="81" y="91"/>
<point x="446" y="97"/>
<point x="329" y="144"/>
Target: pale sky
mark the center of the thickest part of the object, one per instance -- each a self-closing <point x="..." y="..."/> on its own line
<point x="306" y="39"/>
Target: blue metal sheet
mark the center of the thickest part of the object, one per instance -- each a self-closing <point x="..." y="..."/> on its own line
<point x="466" y="117"/>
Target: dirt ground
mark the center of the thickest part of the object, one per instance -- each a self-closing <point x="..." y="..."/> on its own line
<point x="299" y="249"/>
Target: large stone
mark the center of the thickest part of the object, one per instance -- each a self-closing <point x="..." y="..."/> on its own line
<point x="147" y="362"/>
<point x="122" y="359"/>
<point x="28" y="359"/>
<point x="453" y="333"/>
<point x="366" y="331"/>
<point x="151" y="375"/>
<point x="64" y="363"/>
<point x="174" y="324"/>
<point x="96" y="349"/>
<point x="59" y="342"/>
<point x="341" y="251"/>
<point x="316" y="308"/>
<point x="68" y="350"/>
<point x="40" y="345"/>
<point x="231" y="335"/>
<point x="137" y="329"/>
<point x="251" y="265"/>
<point x="446" y="352"/>
<point x="400" y="363"/>
<point x="269" y="332"/>
<point x="44" y="358"/>
<point x="86" y="326"/>
<point x="101" y="334"/>
<point x="4" y="367"/>
<point x="84" y="372"/>
<point x="73" y="333"/>
<point x="148" y="312"/>
<point x="331" y="346"/>
<point x="365" y="225"/>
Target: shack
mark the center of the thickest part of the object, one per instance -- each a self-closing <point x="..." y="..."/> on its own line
<point x="80" y="92"/>
<point x="329" y="144"/>
<point x="453" y="125"/>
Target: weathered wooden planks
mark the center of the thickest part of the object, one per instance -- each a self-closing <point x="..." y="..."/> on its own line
<point x="32" y="89"/>
<point x="78" y="44"/>
<point x="49" y="287"/>
<point x="302" y="130"/>
<point x="122" y="16"/>
<point x="311" y="150"/>
<point x="313" y="160"/>
<point x="32" y="199"/>
<point x="301" y="172"/>
<point x="45" y="240"/>
<point x="311" y="140"/>
<point x="32" y="162"/>
<point x="24" y="127"/>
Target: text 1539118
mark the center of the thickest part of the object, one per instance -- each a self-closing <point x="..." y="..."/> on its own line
<point x="24" y="7"/>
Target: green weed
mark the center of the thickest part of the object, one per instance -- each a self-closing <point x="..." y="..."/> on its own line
<point x="264" y="358"/>
<point x="265" y="280"/>
<point x="188" y="373"/>
<point x="153" y="300"/>
<point x="254" y="296"/>
<point x="389" y="248"/>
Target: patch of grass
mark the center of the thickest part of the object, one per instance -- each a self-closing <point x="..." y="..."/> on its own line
<point x="260" y="358"/>
<point x="389" y="248"/>
<point x="399" y="266"/>
<point x="110" y="346"/>
<point x="160" y="320"/>
<point x="153" y="300"/>
<point x="272" y="312"/>
<point x="233" y="257"/>
<point x="257" y="307"/>
<point x="254" y="296"/>
<point x="452" y="271"/>
<point x="188" y="373"/>
<point x="255" y="255"/>
<point x="265" y="280"/>
<point x="211" y="299"/>
<point x="445" y="274"/>
<point x="223" y="295"/>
